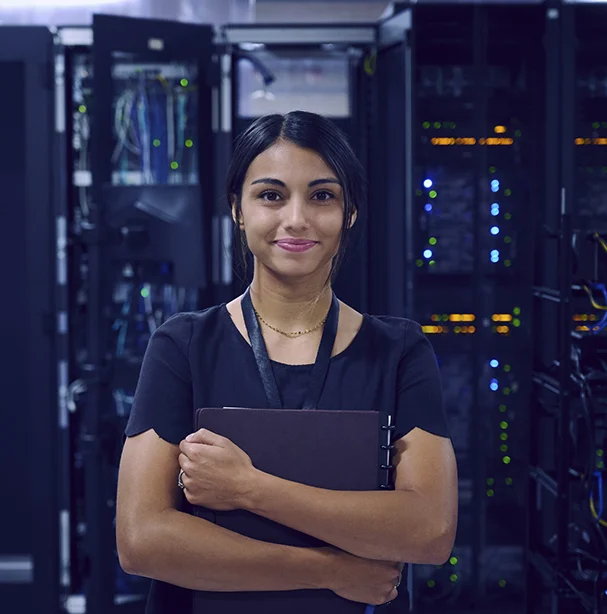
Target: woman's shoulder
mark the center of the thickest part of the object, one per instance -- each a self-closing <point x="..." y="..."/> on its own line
<point x="182" y="326"/>
<point x="395" y="330"/>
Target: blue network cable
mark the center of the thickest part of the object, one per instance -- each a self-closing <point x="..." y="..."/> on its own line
<point x="370" y="609"/>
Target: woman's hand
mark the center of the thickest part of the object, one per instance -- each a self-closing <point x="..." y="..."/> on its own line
<point x="217" y="474"/>
<point x="363" y="580"/>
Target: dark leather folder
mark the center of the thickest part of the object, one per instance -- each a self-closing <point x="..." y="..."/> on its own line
<point x="337" y="450"/>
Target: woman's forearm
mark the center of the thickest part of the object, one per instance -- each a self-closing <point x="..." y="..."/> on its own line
<point x="390" y="526"/>
<point x="190" y="552"/>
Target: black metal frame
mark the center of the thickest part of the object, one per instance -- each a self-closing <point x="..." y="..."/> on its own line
<point x="31" y="333"/>
<point x="553" y="294"/>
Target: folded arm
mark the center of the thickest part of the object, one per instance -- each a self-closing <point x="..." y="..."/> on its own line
<point x="415" y="523"/>
<point x="156" y="540"/>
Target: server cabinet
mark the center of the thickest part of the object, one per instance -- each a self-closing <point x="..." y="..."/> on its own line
<point x="140" y="160"/>
<point x="29" y="540"/>
<point x="475" y="176"/>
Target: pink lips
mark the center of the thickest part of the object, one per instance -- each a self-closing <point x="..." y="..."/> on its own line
<point x="296" y="245"/>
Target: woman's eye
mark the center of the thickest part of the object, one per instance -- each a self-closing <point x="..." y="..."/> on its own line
<point x="270" y="197"/>
<point x="323" y="196"/>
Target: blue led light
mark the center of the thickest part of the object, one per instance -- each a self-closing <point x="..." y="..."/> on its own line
<point x="427" y="253"/>
<point x="428" y="207"/>
<point x="495" y="209"/>
<point x="493" y="385"/>
<point x="495" y="185"/>
<point x="495" y="230"/>
<point x="428" y="183"/>
<point x="494" y="363"/>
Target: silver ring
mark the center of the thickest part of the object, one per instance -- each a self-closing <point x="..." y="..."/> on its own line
<point x="179" y="482"/>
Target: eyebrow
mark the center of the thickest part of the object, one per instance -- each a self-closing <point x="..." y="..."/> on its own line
<point x="282" y="184"/>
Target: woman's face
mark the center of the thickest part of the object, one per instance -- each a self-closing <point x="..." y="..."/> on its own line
<point x="292" y="211"/>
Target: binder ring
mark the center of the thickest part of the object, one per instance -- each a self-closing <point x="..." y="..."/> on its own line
<point x="179" y="482"/>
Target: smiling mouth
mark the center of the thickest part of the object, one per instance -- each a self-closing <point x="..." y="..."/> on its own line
<point x="296" y="245"/>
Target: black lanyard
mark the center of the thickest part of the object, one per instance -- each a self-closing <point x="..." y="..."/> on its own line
<point x="319" y="370"/>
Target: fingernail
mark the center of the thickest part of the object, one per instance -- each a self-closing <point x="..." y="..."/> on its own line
<point x="189" y="438"/>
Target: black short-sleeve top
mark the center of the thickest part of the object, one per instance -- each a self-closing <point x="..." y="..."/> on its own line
<point x="200" y="359"/>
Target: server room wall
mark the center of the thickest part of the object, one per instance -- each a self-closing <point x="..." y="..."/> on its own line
<point x="483" y="132"/>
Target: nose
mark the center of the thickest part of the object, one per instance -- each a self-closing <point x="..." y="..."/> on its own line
<point x="296" y="215"/>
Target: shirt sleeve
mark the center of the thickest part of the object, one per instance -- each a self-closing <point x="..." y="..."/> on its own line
<point x="420" y="394"/>
<point x="164" y="398"/>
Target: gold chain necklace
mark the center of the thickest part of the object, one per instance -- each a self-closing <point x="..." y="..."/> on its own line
<point x="292" y="335"/>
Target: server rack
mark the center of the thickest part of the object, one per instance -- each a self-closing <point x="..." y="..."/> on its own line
<point x="32" y="324"/>
<point x="567" y="546"/>
<point x="477" y="116"/>
<point x="138" y="114"/>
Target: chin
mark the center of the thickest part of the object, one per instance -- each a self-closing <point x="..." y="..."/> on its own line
<point x="297" y="270"/>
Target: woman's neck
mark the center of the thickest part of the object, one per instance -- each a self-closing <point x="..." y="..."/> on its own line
<point x="290" y="306"/>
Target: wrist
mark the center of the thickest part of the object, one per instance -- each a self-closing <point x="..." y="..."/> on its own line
<point x="321" y="567"/>
<point x="253" y="491"/>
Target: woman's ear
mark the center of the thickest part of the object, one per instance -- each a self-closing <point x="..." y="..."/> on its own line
<point x="353" y="219"/>
<point x="236" y="215"/>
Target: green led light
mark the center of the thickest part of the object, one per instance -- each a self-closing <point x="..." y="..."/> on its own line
<point x="156" y="142"/>
<point x="502" y="583"/>
<point x="454" y="577"/>
<point x="174" y="165"/>
<point x="432" y="193"/>
<point x="516" y="322"/>
<point x="432" y="240"/>
<point x="507" y="239"/>
<point x="82" y="108"/>
<point x="432" y="262"/>
<point x="419" y="262"/>
<point x="184" y="83"/>
<point x="508" y="192"/>
<point x="445" y="317"/>
<point x="503" y="425"/>
<point x="453" y="560"/>
<point x="508" y="263"/>
<point x="431" y="583"/>
<point x="490" y="481"/>
<point x="145" y="293"/>
<point x="600" y="465"/>
<point x="516" y="311"/>
<point x="502" y="408"/>
<point x="508" y="481"/>
<point x="600" y="452"/>
<point x="492" y="169"/>
<point x="504" y="436"/>
<point x="508" y="216"/>
<point x="490" y="492"/>
<point x="503" y="448"/>
<point x="596" y="125"/>
<point x="189" y="143"/>
<point x="506" y="460"/>
<point x="426" y="125"/>
<point x="437" y="125"/>
<point x="507" y="368"/>
<point x="517" y="133"/>
<point x="507" y="391"/>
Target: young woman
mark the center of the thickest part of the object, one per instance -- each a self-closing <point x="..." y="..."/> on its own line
<point x="296" y="189"/>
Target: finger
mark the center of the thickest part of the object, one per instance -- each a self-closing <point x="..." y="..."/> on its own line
<point x="183" y="461"/>
<point x="207" y="437"/>
<point x="392" y="595"/>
